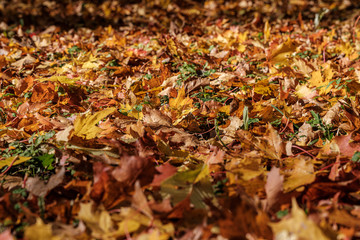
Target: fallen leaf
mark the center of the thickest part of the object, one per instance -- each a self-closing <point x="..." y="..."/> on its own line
<point x="140" y="202"/>
<point x="24" y="61"/>
<point x="347" y="148"/>
<point x="298" y="226"/>
<point x="193" y="183"/>
<point x="6" y="235"/>
<point x="281" y="54"/>
<point x="273" y="187"/>
<point x="165" y="171"/>
<point x="301" y="174"/>
<point x="305" y="134"/>
<point x="39" y="188"/>
<point x="13" y="161"/>
<point x="39" y="231"/>
<point x="85" y="124"/>
<point x="99" y="221"/>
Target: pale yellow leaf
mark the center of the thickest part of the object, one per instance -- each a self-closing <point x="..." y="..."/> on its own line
<point x="39" y="231"/>
<point x="298" y="226"/>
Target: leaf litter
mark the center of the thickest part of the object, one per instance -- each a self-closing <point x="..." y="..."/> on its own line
<point x="179" y="120"/>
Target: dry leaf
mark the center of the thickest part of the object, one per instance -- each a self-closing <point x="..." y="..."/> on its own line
<point x="298" y="226"/>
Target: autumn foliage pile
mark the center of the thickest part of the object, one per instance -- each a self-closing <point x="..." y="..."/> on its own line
<point x="180" y="120"/>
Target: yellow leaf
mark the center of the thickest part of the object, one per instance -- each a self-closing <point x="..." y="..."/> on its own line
<point x="179" y="100"/>
<point x="328" y="72"/>
<point x="61" y="79"/>
<point x="302" y="66"/>
<point x="99" y="222"/>
<point x="242" y="37"/>
<point x="302" y="174"/>
<point x="8" y="161"/>
<point x="282" y="53"/>
<point x="204" y="173"/>
<point x="39" y="231"/>
<point x="172" y="47"/>
<point x="345" y="48"/>
<point x="262" y="87"/>
<point x="318" y="81"/>
<point x="298" y="226"/>
<point x="129" y="220"/>
<point x="182" y="104"/>
<point x="131" y="112"/>
<point x="241" y="48"/>
<point x="304" y="92"/>
<point x="127" y="226"/>
<point x="85" y="125"/>
<point x="91" y="65"/>
<point x="225" y="109"/>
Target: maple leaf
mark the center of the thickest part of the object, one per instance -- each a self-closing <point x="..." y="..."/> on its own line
<point x="25" y="61"/>
<point x="85" y="124"/>
<point x="181" y="103"/>
<point x="346" y="147"/>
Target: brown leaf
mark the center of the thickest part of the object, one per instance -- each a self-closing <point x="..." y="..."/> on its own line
<point x="24" y="61"/>
<point x="178" y="136"/>
<point x="23" y="85"/>
<point x="44" y="92"/>
<point x="39" y="188"/>
<point x="155" y="118"/>
<point x="133" y="168"/>
<point x="180" y="209"/>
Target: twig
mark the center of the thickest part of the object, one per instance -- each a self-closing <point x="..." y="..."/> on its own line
<point x="294" y="146"/>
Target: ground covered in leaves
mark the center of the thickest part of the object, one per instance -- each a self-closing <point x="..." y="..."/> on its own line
<point x="179" y="120"/>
